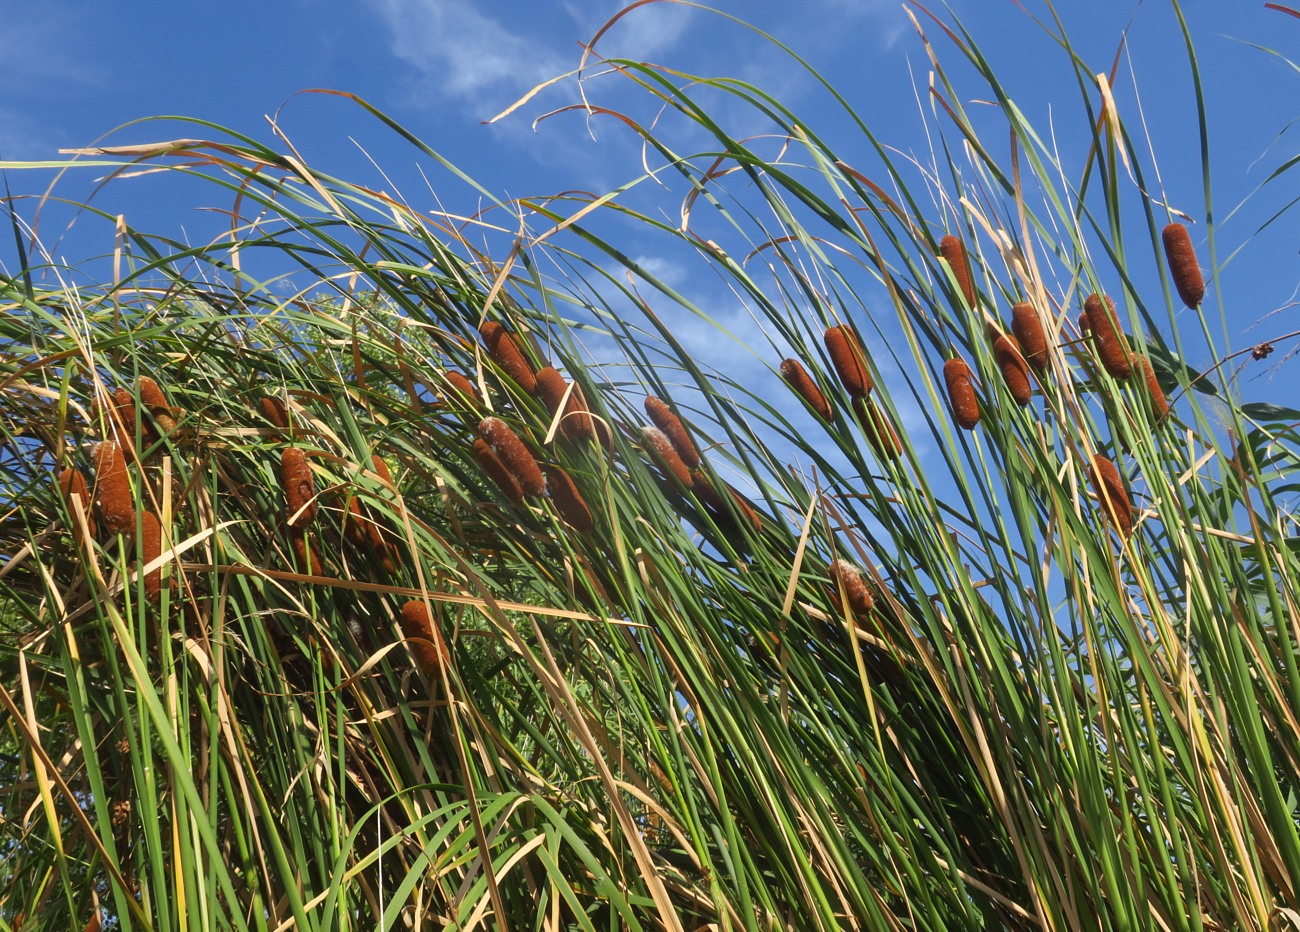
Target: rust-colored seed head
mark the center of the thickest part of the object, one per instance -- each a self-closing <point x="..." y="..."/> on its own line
<point x="497" y="472"/>
<point x="954" y="251"/>
<point x="463" y="387"/>
<point x="666" y="456"/>
<point x="299" y="487"/>
<point x="153" y="398"/>
<point x="73" y="483"/>
<point x="1028" y="328"/>
<point x="1182" y="264"/>
<point x="880" y="433"/>
<point x="512" y="453"/>
<point x="354" y="522"/>
<point x="381" y="470"/>
<point x="663" y="417"/>
<point x="150" y="550"/>
<point x="551" y="388"/>
<point x="274" y="410"/>
<point x="308" y="558"/>
<point x="1112" y="347"/>
<point x="1108" y="485"/>
<point x="424" y="642"/>
<point x="708" y="493"/>
<point x="1159" y="403"/>
<point x="961" y="394"/>
<point x="849" y="360"/>
<point x="119" y="415"/>
<point x="794" y="373"/>
<point x="1015" y="372"/>
<point x="503" y="349"/>
<point x="850" y="587"/>
<point x="568" y="500"/>
<point x="1085" y="326"/>
<point x="113" y="489"/>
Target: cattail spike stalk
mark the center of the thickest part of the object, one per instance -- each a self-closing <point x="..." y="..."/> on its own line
<point x="575" y="422"/>
<point x="299" y="487"/>
<point x="1115" y="503"/>
<point x="667" y="421"/>
<point x="275" y="411"/>
<point x="503" y="349"/>
<point x="512" y="453"/>
<point x="954" y="251"/>
<point x="798" y="378"/>
<point x="961" y="394"/>
<point x="1028" y="329"/>
<point x="851" y="588"/>
<point x="1182" y="264"/>
<point x="463" y="387"/>
<point x="496" y="470"/>
<point x="153" y="398"/>
<point x="880" y="432"/>
<point x="669" y="461"/>
<point x="424" y="641"/>
<point x="113" y="489"/>
<point x="563" y="491"/>
<point x="150" y="550"/>
<point x="1112" y="347"/>
<point x="72" y="484"/>
<point x="849" y="360"/>
<point x="1159" y="403"/>
<point x="1015" y="372"/>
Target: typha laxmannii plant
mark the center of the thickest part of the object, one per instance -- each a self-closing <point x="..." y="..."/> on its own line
<point x="113" y="489"/>
<point x="880" y="432"/>
<point x="1182" y="264"/>
<point x="798" y="378"/>
<point x="664" y="418"/>
<point x="512" y="453"/>
<point x="666" y="456"/>
<point x="708" y="492"/>
<point x="423" y="639"/>
<point x="563" y="492"/>
<point x="72" y="484"/>
<point x="1015" y="371"/>
<point x="463" y="387"/>
<point x="954" y="252"/>
<point x="150" y="550"/>
<point x="1112" y="494"/>
<point x="505" y="352"/>
<point x="961" y="393"/>
<point x="117" y="409"/>
<point x="299" y="487"/>
<point x="307" y="558"/>
<point x="849" y="360"/>
<point x="1159" y="403"/>
<point x="575" y="422"/>
<point x="850" y="588"/>
<point x="1107" y="337"/>
<point x="496" y="470"/>
<point x="1028" y="329"/>
<point x="152" y="397"/>
<point x="275" y="411"/>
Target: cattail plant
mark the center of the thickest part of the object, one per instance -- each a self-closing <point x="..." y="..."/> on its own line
<point x="423" y="640"/>
<point x="794" y="373"/>
<point x="563" y="492"/>
<point x="275" y="411"/>
<point x="961" y="394"/>
<point x="954" y="251"/>
<point x="512" y="453"/>
<point x="496" y="470"/>
<point x="1182" y="264"/>
<point x="667" y="421"/>
<point x="1015" y="372"/>
<point x="152" y="397"/>
<point x="505" y="352"/>
<point x="1028" y="329"/>
<point x="666" y="456"/>
<point x="575" y="422"/>
<point x="1107" y="337"/>
<point x="307" y="557"/>
<point x="299" y="487"/>
<point x="880" y="432"/>
<point x="707" y="491"/>
<point x="72" y="484"/>
<point x="1112" y="494"/>
<point x="462" y="386"/>
<point x="113" y="489"/>
<point x="150" y="550"/>
<point x="1159" y="403"/>
<point x="850" y="588"/>
<point x="849" y="360"/>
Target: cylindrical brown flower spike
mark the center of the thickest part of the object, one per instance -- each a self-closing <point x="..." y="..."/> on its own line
<point x="424" y="642"/>
<point x="568" y="500"/>
<point x="497" y="472"/>
<point x="880" y="433"/>
<point x="505" y="443"/>
<point x="1015" y="372"/>
<point x="850" y="587"/>
<point x="663" y="417"/>
<point x="113" y="489"/>
<point x="794" y="373"/>
<point x="299" y="487"/>
<point x="463" y="387"/>
<point x="1112" y="347"/>
<point x="153" y="398"/>
<point x="274" y="410"/>
<point x="1182" y="264"/>
<point x="1108" y="485"/>
<point x="503" y="349"/>
<point x="849" y="360"/>
<point x="73" y="483"/>
<point x="961" y="394"/>
<point x="1028" y="328"/>
<point x="954" y="251"/>
<point x="708" y="493"/>
<point x="1159" y="403"/>
<point x="666" y="455"/>
<point x="150" y="550"/>
<point x="551" y="388"/>
<point x="308" y="559"/>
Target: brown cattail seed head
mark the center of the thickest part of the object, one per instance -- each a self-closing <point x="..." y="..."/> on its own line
<point x="794" y="373"/>
<point x="880" y="433"/>
<point x="496" y="470"/>
<point x="849" y="360"/>
<point x="954" y="251"/>
<point x="150" y="550"/>
<point x="299" y="487"/>
<point x="1015" y="372"/>
<point x="575" y="422"/>
<point x="1112" y="347"/>
<point x="73" y="483"/>
<point x="113" y="489"/>
<point x="503" y="349"/>
<point x="274" y="410"/>
<point x="961" y="394"/>
<point x="708" y="493"/>
<point x="423" y="640"/>
<point x="850" y="587"/>
<point x="666" y="456"/>
<point x="1114" y="498"/>
<point x="153" y="398"/>
<point x="463" y="387"/>
<point x="308" y="561"/>
<point x="1182" y="264"/>
<point x="1159" y="403"/>
<point x="1028" y="328"/>
<point x="512" y="453"/>
<point x="568" y="500"/>
<point x="663" y="417"/>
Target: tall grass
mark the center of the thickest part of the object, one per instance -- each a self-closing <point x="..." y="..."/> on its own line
<point x="808" y="684"/>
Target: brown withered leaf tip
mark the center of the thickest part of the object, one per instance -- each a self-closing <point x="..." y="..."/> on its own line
<point x="569" y="502"/>
<point x="575" y="422"/>
<point x="1182" y="264"/>
<point x="961" y="394"/>
<point x="666" y="456"/>
<point x="496" y="470"/>
<point x="150" y="550"/>
<point x="1159" y="403"/>
<point x="512" y="453"/>
<point x="113" y="489"/>
<point x="849" y="360"/>
<point x="463" y="387"/>
<point x="426" y="645"/>
<point x="73" y="483"/>
<point x="274" y="410"/>
<point x="850" y="587"/>
<point x="1109" y="340"/>
<point x="798" y="378"/>
<point x="299" y="487"/>
<point x="1028" y="328"/>
<point x="880" y="432"/>
<point x="503" y="349"/>
<point x="1115" y="503"/>
<point x="954" y="251"/>
<point x="1015" y="371"/>
<point x="153" y="398"/>
<point x="663" y="417"/>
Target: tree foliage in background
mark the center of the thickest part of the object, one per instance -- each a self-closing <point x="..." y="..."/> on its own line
<point x="305" y="659"/>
